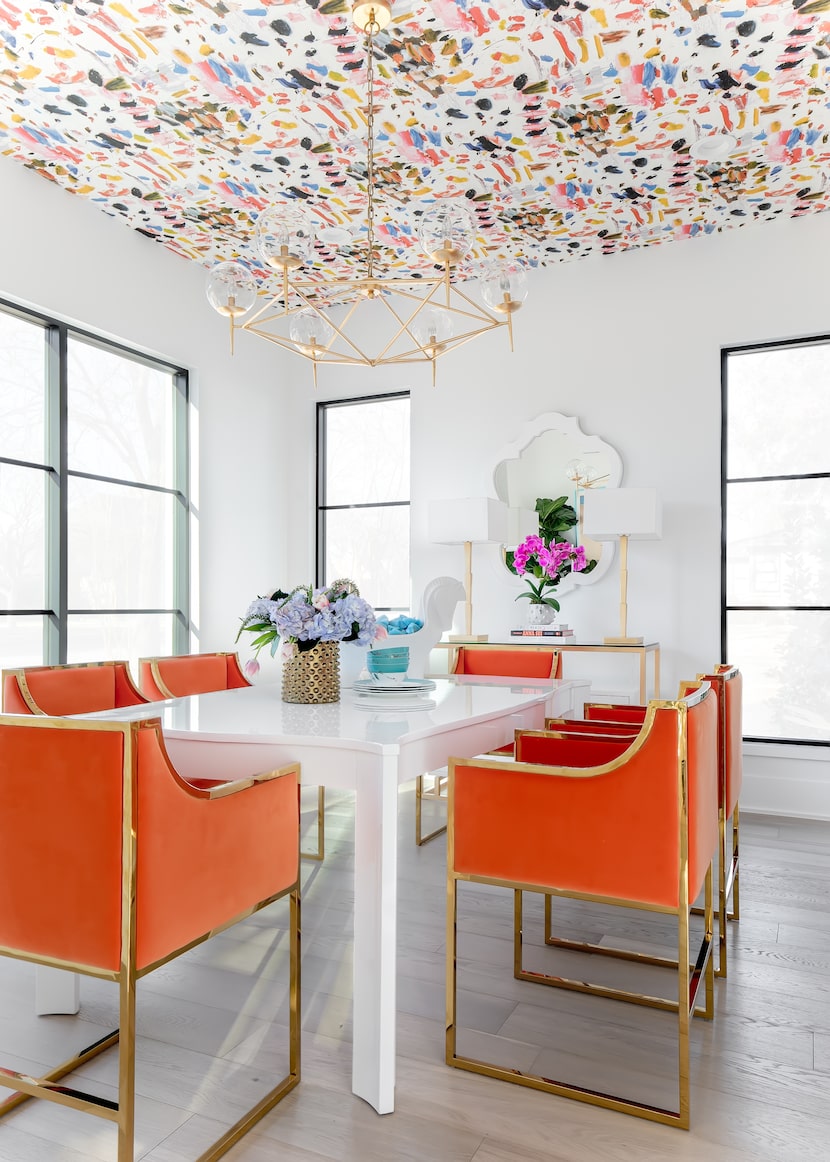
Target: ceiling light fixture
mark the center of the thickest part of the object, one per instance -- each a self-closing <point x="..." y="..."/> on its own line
<point x="425" y="317"/>
<point x="714" y="146"/>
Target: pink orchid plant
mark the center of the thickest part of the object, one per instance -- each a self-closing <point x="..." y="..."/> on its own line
<point x="543" y="565"/>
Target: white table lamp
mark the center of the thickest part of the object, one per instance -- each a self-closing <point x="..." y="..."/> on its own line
<point x="612" y="514"/>
<point x="468" y="521"/>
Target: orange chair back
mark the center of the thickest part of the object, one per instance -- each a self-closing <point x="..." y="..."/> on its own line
<point x="728" y="680"/>
<point x="615" y="713"/>
<point x="176" y="677"/>
<point x="616" y="830"/>
<point x="568" y="750"/>
<point x="74" y="689"/>
<point x="85" y="804"/>
<point x="507" y="662"/>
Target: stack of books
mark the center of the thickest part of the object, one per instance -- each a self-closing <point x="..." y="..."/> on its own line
<point x="560" y="630"/>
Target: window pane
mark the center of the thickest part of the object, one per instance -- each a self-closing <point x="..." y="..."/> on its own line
<point x="777" y="552"/>
<point x="22" y="389"/>
<point x="23" y="537"/>
<point x="128" y="637"/>
<point x="120" y="416"/>
<point x="371" y="545"/>
<point x="779" y="412"/>
<point x="120" y="546"/>
<point x="781" y="656"/>
<point x="367" y="452"/>
<point x="21" y="642"/>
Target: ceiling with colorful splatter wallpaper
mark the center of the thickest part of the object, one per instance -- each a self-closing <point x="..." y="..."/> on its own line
<point x="568" y="128"/>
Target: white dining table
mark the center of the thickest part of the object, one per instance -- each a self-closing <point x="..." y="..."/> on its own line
<point x="368" y="745"/>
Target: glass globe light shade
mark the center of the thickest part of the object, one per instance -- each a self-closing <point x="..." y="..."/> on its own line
<point x="431" y="328"/>
<point x="310" y="331"/>
<point x="231" y="289"/>
<point x="285" y="237"/>
<point x="504" y="288"/>
<point x="446" y="232"/>
<point x="578" y="471"/>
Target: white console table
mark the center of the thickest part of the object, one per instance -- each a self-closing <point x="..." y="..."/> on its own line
<point x="642" y="652"/>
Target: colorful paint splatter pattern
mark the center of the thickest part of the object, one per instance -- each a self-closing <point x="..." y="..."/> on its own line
<point x="566" y="127"/>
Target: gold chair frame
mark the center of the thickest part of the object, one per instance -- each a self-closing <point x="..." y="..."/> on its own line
<point x="320" y="854"/>
<point x="690" y="974"/>
<point x="122" y="1112"/>
<point x="437" y="792"/>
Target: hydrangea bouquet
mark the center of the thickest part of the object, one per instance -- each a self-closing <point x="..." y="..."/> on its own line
<point x="305" y="616"/>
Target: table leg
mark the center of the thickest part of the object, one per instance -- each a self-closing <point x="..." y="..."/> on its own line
<point x="375" y="934"/>
<point x="56" y="991"/>
<point x="657" y="672"/>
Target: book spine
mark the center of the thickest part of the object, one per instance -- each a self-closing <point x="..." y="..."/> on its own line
<point x="541" y="633"/>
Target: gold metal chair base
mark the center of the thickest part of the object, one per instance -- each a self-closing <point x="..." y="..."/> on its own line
<point x="320" y="854"/>
<point x="122" y="1112"/>
<point x="690" y="979"/>
<point x="728" y="886"/>
<point x="594" y="1097"/>
<point x="28" y="1087"/>
<point x="436" y="793"/>
<point x="521" y="973"/>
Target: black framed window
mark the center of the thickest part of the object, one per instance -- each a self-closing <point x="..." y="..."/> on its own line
<point x="363" y="496"/>
<point x="93" y="497"/>
<point x="776" y="548"/>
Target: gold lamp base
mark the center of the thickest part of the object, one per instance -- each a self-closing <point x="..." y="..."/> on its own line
<point x="468" y="638"/>
<point x="622" y="641"/>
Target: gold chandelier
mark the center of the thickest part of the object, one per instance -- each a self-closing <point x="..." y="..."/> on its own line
<point x="416" y="320"/>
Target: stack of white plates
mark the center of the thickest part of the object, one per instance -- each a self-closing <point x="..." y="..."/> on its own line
<point x="407" y="696"/>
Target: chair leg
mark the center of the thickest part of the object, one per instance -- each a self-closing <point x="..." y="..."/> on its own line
<point x="320" y="854"/>
<point x="126" y="1066"/>
<point x="238" y="1131"/>
<point x="732" y="882"/>
<point x="434" y="795"/>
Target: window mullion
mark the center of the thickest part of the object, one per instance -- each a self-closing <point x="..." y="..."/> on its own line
<point x="55" y="388"/>
<point x="181" y="518"/>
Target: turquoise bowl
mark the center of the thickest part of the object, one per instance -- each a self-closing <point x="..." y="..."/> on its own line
<point x="388" y="667"/>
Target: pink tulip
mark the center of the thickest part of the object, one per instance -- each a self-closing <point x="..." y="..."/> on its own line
<point x="251" y="668"/>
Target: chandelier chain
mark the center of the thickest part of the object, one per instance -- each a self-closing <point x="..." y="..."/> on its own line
<point x="370" y="149"/>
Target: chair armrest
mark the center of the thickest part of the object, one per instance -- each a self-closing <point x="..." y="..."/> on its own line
<point x="216" y="789"/>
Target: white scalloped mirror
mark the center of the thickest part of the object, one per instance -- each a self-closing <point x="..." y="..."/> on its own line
<point x="553" y="457"/>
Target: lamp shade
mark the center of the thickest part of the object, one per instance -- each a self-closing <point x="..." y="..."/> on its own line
<point x="610" y="513"/>
<point x="477" y="519"/>
<point x="521" y="523"/>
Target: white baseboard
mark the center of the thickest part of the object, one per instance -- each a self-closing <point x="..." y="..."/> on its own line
<point x="778" y="781"/>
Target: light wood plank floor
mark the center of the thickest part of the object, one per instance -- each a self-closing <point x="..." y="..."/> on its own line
<point x="212" y="1030"/>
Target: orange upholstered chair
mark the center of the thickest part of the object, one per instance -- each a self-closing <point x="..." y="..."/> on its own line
<point x="727" y="682"/>
<point x="184" y="674"/>
<point x="112" y="864"/>
<point x="486" y="660"/>
<point x="622" y="821"/>
<point x="79" y="688"/>
<point x="176" y="677"/>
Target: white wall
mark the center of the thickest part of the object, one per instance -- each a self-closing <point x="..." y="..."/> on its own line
<point x="63" y="255"/>
<point x="629" y="344"/>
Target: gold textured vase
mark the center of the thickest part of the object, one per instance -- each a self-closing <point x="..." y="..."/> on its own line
<point x="313" y="675"/>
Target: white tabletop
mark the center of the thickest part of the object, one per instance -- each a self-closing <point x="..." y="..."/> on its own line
<point x="376" y="723"/>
